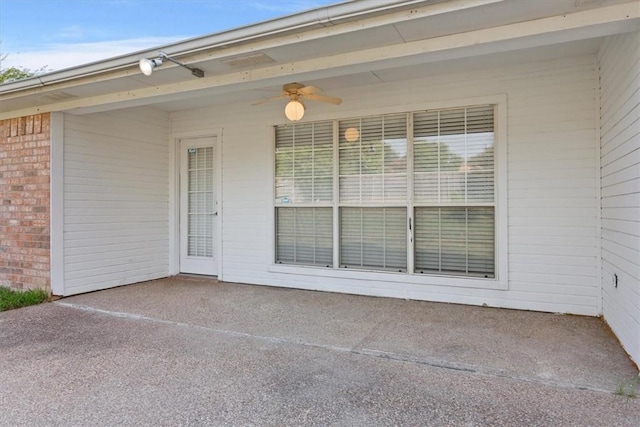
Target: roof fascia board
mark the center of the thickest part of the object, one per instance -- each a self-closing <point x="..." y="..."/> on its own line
<point x="557" y="29"/>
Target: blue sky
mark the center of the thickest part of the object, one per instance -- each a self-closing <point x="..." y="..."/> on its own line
<point x="60" y="34"/>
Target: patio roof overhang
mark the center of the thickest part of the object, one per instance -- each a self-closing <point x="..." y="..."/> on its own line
<point x="349" y="43"/>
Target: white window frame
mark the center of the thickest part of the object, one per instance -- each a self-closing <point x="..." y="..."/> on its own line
<point x="406" y="281"/>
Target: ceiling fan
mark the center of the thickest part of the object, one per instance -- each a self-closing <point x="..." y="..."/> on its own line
<point x="296" y="92"/>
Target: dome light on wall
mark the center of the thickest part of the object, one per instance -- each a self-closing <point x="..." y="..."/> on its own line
<point x="148" y="65"/>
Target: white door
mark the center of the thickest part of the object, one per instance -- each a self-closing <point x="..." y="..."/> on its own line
<point x="198" y="206"/>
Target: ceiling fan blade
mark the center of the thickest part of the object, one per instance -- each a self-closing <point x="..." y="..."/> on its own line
<point x="324" y="98"/>
<point x="263" y="101"/>
<point x="309" y="90"/>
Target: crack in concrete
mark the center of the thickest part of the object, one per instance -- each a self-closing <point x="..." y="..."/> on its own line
<point x="380" y="354"/>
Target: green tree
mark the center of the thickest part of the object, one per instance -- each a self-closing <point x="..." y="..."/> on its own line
<point x="15" y="73"/>
<point x="18" y="73"/>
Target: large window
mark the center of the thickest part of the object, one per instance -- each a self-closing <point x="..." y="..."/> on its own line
<point x="411" y="192"/>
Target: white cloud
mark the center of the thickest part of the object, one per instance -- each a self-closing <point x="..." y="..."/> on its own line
<point x="65" y="55"/>
<point x="72" y="32"/>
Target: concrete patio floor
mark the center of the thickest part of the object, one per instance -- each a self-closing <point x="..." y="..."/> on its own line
<point x="188" y="351"/>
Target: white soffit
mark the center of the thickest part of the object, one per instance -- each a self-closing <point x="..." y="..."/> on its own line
<point x="502" y="59"/>
<point x="249" y="96"/>
<point x="493" y="15"/>
<point x="352" y="82"/>
<point x="333" y="45"/>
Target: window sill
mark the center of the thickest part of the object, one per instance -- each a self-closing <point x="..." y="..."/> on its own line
<point x="392" y="277"/>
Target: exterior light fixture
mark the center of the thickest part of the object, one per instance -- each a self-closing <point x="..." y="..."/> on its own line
<point x="351" y="134"/>
<point x="295" y="92"/>
<point x="294" y="110"/>
<point x="148" y="65"/>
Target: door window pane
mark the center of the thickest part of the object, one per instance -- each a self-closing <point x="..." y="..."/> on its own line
<point x="200" y="202"/>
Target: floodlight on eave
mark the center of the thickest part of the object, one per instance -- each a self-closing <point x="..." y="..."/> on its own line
<point x="148" y="65"/>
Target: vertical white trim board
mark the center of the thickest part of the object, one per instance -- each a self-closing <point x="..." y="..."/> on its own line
<point x="56" y="195"/>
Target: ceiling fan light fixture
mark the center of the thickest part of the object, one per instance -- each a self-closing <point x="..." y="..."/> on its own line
<point x="295" y="93"/>
<point x="294" y="110"/>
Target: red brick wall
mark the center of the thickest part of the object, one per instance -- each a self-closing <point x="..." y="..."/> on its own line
<point x="25" y="202"/>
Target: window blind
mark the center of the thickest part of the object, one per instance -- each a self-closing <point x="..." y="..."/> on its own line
<point x="454" y="191"/>
<point x="304" y="236"/>
<point x="303" y="177"/>
<point x="200" y="202"/>
<point x="373" y="238"/>
<point x="304" y="163"/>
<point x="373" y="159"/>
<point x="457" y="240"/>
<point x="453" y="155"/>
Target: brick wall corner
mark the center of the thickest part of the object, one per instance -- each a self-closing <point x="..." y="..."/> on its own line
<point x="25" y="202"/>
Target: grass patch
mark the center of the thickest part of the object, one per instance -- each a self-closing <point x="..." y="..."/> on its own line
<point x="10" y="299"/>
<point x="629" y="387"/>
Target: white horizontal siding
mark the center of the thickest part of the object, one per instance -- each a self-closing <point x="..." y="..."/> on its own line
<point x="620" y="180"/>
<point x="116" y="195"/>
<point x="552" y="188"/>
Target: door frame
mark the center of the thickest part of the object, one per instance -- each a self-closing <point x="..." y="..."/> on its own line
<point x="174" y="197"/>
